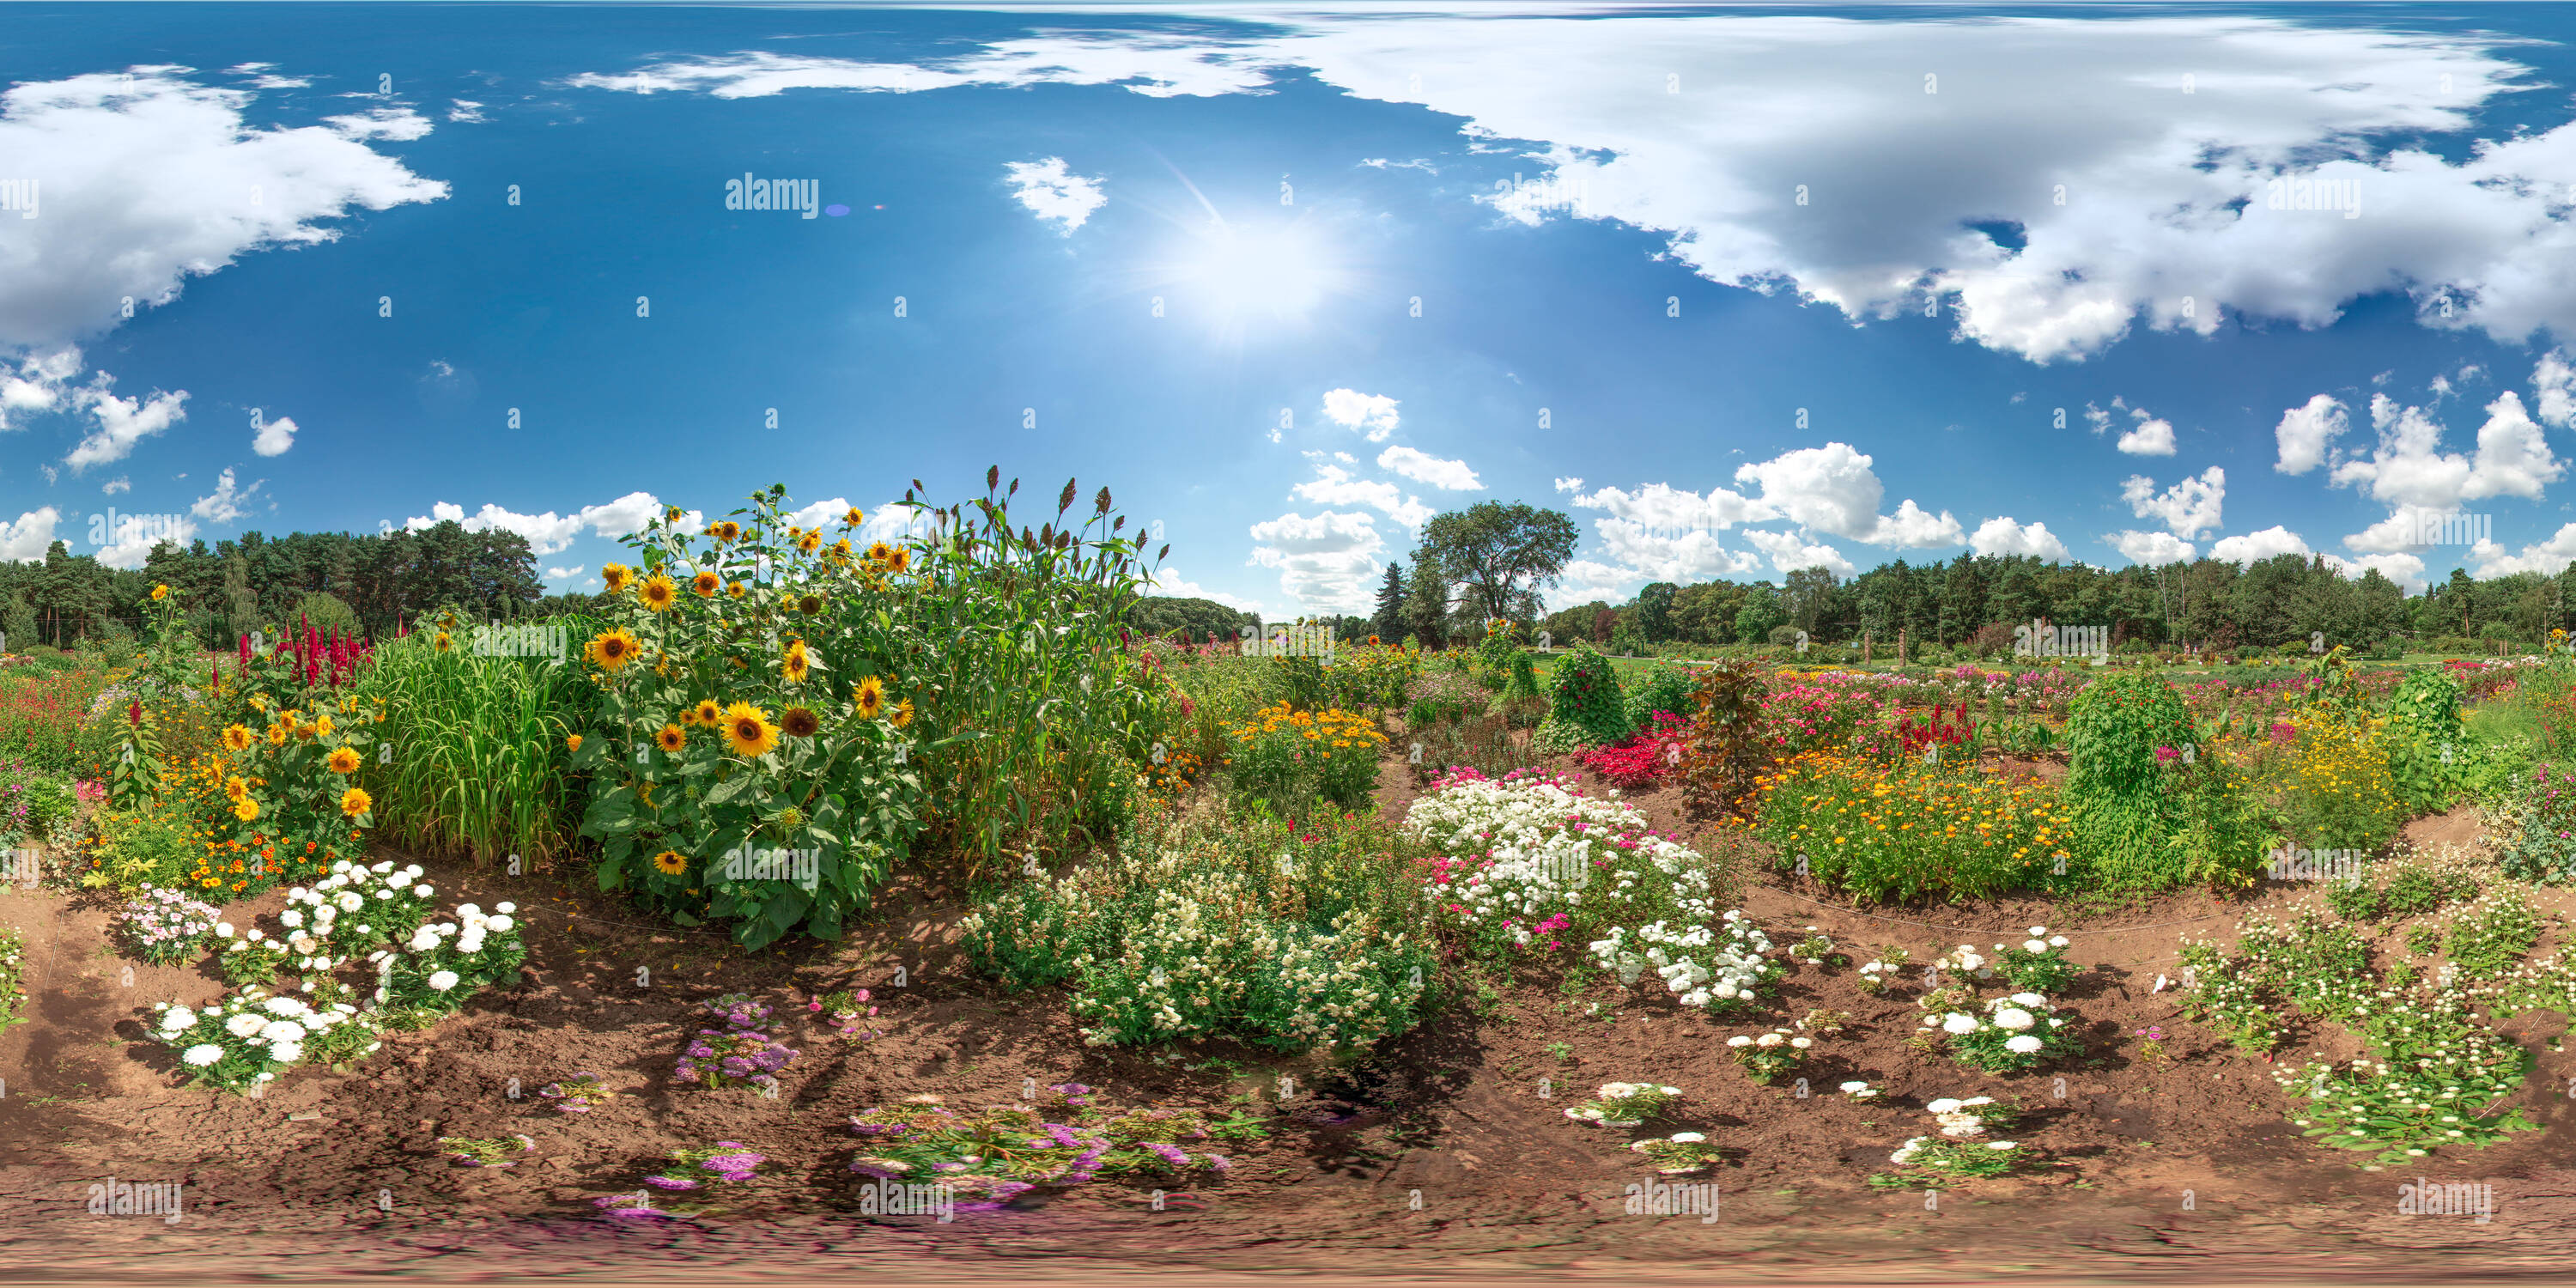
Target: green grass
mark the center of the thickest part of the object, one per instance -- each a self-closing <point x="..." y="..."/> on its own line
<point x="479" y="764"/>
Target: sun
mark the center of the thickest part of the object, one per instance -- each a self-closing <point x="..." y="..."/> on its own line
<point x="1243" y="270"/>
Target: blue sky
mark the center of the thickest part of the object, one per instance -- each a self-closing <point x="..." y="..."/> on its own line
<point x="1741" y="290"/>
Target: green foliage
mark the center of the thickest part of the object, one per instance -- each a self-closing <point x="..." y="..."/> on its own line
<point x="1665" y="687"/>
<point x="2489" y="938"/>
<point x="326" y="613"/>
<point x="1585" y="707"/>
<point x="479" y="765"/>
<point x="2428" y="746"/>
<point x="2126" y="811"/>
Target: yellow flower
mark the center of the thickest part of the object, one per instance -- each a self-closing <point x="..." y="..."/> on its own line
<point x="705" y="584"/>
<point x="573" y="743"/>
<point x="748" y="731"/>
<point x="355" y="802"/>
<point x="903" y="713"/>
<point x="670" y="863"/>
<point x="277" y="735"/>
<point x="735" y="589"/>
<point x="706" y="713"/>
<point x="854" y="518"/>
<point x="443" y="643"/>
<point x="880" y="554"/>
<point x="808" y="542"/>
<point x="322" y="726"/>
<point x="614" y="649"/>
<point x="236" y="738"/>
<point x="672" y="739"/>
<point x="160" y="593"/>
<point x="616" y="575"/>
<point x="726" y="531"/>
<point x="235" y="789"/>
<point x="245" y="809"/>
<point x="796" y="663"/>
<point x="658" y="593"/>
<point x="870" y="695"/>
<point x="343" y="761"/>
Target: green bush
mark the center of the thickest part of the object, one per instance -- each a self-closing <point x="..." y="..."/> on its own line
<point x="2428" y="748"/>
<point x="1666" y="687"/>
<point x="2127" y="811"/>
<point x="1585" y="707"/>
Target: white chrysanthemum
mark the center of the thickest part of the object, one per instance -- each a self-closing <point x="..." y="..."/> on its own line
<point x="177" y="1018"/>
<point x="224" y="928"/>
<point x="286" y="1052"/>
<point x="1688" y="1137"/>
<point x="2014" y="1018"/>
<point x="284" y="1006"/>
<point x="2035" y="945"/>
<point x="2021" y="1044"/>
<point x="1954" y="1022"/>
<point x="1802" y="1043"/>
<point x="421" y="892"/>
<point x="2057" y="941"/>
<point x="290" y="918"/>
<point x="1855" y="1086"/>
<point x="244" y="1024"/>
<point x="505" y="908"/>
<point x="442" y="980"/>
<point x="468" y="910"/>
<point x="1739" y="1040"/>
<point x="499" y="923"/>
<point x="2029" y="999"/>
<point x="203" y="1054"/>
<point x="351" y="901"/>
<point x="281" y="1031"/>
<point x="1945" y="1105"/>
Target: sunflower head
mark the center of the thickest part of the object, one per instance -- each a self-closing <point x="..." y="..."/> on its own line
<point x="797" y="662"/>
<point x="903" y="713"/>
<point x="672" y="739"/>
<point x="669" y="863"/>
<point x="343" y="761"/>
<point x="705" y="584"/>
<point x="355" y="802"/>
<point x="797" y="722"/>
<point x="706" y="713"/>
<point x="747" y="730"/>
<point x="726" y="531"/>
<point x="735" y="589"/>
<point x="854" y="518"/>
<point x="616" y="575"/>
<point x="809" y="542"/>
<point x="809" y="604"/>
<point x="277" y="735"/>
<point x="900" y="560"/>
<point x="235" y="789"/>
<point x="612" y="650"/>
<point x="236" y="738"/>
<point x="160" y="593"/>
<point x="444" y="642"/>
<point x="880" y="554"/>
<point x="870" y="697"/>
<point x="658" y="593"/>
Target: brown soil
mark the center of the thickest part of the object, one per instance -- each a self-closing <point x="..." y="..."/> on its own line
<point x="1446" y="1154"/>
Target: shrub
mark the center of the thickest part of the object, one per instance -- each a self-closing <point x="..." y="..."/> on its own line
<point x="2339" y="792"/>
<point x="1251" y="928"/>
<point x="1723" y="751"/>
<point x="1292" y="758"/>
<point x="2540" y="837"/>
<point x="1585" y="708"/>
<point x="2124" y="816"/>
<point x="1666" y="687"/>
<point x="148" y="847"/>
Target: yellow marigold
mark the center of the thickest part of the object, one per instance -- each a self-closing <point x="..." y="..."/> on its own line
<point x="573" y="743"/>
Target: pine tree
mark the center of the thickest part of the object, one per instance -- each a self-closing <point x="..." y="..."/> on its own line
<point x="1389" y="622"/>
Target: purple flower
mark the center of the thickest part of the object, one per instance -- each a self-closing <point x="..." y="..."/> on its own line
<point x="1220" y="1162"/>
<point x="1168" y="1153"/>
<point x="671" y="1182"/>
<point x="735" y="1166"/>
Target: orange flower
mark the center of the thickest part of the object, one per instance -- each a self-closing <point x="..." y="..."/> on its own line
<point x="353" y="803"/>
<point x="343" y="761"/>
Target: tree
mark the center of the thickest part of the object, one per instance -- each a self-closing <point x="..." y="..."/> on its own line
<point x="1426" y="602"/>
<point x="1655" y="611"/>
<point x="1389" y="622"/>
<point x="1496" y="550"/>
<point x="1761" y="612"/>
<point x="1195" y="619"/>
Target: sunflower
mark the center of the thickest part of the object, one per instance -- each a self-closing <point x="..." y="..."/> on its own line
<point x="658" y="593"/>
<point x="706" y="713"/>
<point x="613" y="649"/>
<point x="573" y="743"/>
<point x="322" y="727"/>
<point x="672" y="739"/>
<point x="797" y="663"/>
<point x="235" y="789"/>
<point x="343" y="761"/>
<point x="616" y="575"/>
<point x="797" y="722"/>
<point x="748" y="731"/>
<point x="727" y="531"/>
<point x="870" y="695"/>
<point x="355" y="802"/>
<point x="854" y="518"/>
<point x="443" y="643"/>
<point x="903" y="713"/>
<point x="809" y="604"/>
<point x="236" y="738"/>
<point x="259" y="703"/>
<point x="735" y="589"/>
<point x="900" y="560"/>
<point x="245" y="809"/>
<point x="277" y="735"/>
<point x="672" y="513"/>
<point x="704" y="585"/>
<point x="880" y="554"/>
<point x="160" y="593"/>
<point x="669" y="863"/>
<point x="809" y="542"/>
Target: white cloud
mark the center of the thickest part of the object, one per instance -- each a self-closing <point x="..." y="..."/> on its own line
<point x="1371" y="414"/>
<point x="2190" y="507"/>
<point x="2255" y="546"/>
<point x="1585" y="580"/>
<point x="2406" y="570"/>
<point x="122" y="422"/>
<point x="148" y="180"/>
<point x="2409" y="468"/>
<point x="1328" y="563"/>
<point x="27" y="540"/>
<point x="2149" y="437"/>
<point x="1790" y="552"/>
<point x="1334" y="485"/>
<point x="2099" y="418"/>
<point x="550" y="533"/>
<point x="2404" y="529"/>
<point x="1833" y="490"/>
<point x="565" y="574"/>
<point x="1569" y="485"/>
<point x="467" y="113"/>
<point x="2154" y="549"/>
<point x="1155" y="66"/>
<point x="2306" y="431"/>
<point x="1666" y="508"/>
<point x="116" y="485"/>
<point x="2556" y="382"/>
<point x="1054" y="193"/>
<point x="400" y="124"/>
<point x="1452" y="476"/>
<point x="1168" y="580"/>
<point x="225" y="505"/>
<point x="42" y="383"/>
<point x="134" y="543"/>
<point x="2002" y="536"/>
<point x="1662" y="555"/>
<point x="1911" y="527"/>
<point x="274" y="437"/>
<point x="2548" y="558"/>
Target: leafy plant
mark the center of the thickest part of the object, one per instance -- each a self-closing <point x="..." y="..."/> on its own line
<point x="1585" y="707"/>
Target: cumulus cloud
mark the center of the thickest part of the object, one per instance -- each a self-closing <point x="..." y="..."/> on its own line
<point x="2256" y="546"/>
<point x="1658" y="555"/>
<point x="2002" y="536"/>
<point x="26" y="540"/>
<point x="1451" y="476"/>
<point x="1790" y="552"/>
<point x="1327" y="563"/>
<point x="1371" y="414"/>
<point x="148" y="180"/>
<point x="41" y="383"/>
<point x="122" y="422"/>
<point x="1833" y="490"/>
<point x="116" y="485"/>
<point x="1584" y="580"/>
<point x="2149" y="437"/>
<point x="2548" y="558"/>
<point x="399" y="124"/>
<point x="2409" y="467"/>
<point x="466" y="113"/>
<point x="2556" y="383"/>
<point x="1054" y="193"/>
<point x="1334" y="485"/>
<point x="1664" y="507"/>
<point x="2190" y="507"/>
<point x="2306" y="431"/>
<point x="1155" y="66"/>
<point x="2406" y="570"/>
<point x="551" y="533"/>
<point x="225" y="506"/>
<point x="2153" y="549"/>
<point x="274" y="436"/>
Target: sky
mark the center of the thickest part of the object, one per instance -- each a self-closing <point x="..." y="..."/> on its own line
<point x="1740" y="290"/>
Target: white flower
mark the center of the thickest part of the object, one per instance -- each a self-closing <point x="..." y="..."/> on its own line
<point x="203" y="1054"/>
<point x="1768" y="1040"/>
<point x="505" y="908"/>
<point x="266" y="1077"/>
<point x="2057" y="941"/>
<point x="1672" y="1091"/>
<point x="1957" y="1023"/>
<point x="1688" y="1137"/>
<point x="387" y="893"/>
<point x="2030" y="999"/>
<point x="2021" y="1044"/>
<point x="1855" y="1086"/>
<point x="177" y="1018"/>
<point x="284" y="1006"/>
<point x="286" y="1052"/>
<point x="1739" y="1040"/>
<point x="290" y="917"/>
<point x="382" y="868"/>
<point x="421" y="892"/>
<point x="442" y="980"/>
<point x="224" y="928"/>
<point x="2014" y="1018"/>
<point x="2037" y="931"/>
<point x="2035" y="945"/>
<point x="244" y="1024"/>
<point x="1944" y="1105"/>
<point x="502" y="922"/>
<point x="1802" y="1043"/>
<point x="351" y="901"/>
<point x="2003" y="1144"/>
<point x="424" y="939"/>
<point x="281" y="1031"/>
<point x="468" y="910"/>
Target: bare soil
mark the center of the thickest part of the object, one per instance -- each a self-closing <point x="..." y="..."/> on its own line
<point x="1444" y="1156"/>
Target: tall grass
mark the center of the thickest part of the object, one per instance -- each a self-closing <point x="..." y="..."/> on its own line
<point x="479" y="764"/>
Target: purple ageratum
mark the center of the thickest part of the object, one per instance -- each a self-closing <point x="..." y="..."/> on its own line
<point x="1168" y="1153"/>
<point x="671" y="1182"/>
<point x="735" y="1166"/>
